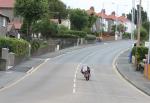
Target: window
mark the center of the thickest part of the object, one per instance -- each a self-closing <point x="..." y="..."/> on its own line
<point x="4" y="22"/>
<point x="1" y="21"/>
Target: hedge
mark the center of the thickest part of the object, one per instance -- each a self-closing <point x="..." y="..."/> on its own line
<point x="139" y="52"/>
<point x="71" y="34"/>
<point x="18" y="46"/>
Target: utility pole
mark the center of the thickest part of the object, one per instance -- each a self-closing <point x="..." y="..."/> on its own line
<point x="133" y="18"/>
<point x="139" y="24"/>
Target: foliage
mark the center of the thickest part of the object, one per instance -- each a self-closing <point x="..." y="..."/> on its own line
<point x="120" y="28"/>
<point x="139" y="52"/>
<point x="91" y="20"/>
<point x="63" y="28"/>
<point x="35" y="45"/>
<point x="143" y="15"/>
<point x="71" y="34"/>
<point x="143" y="34"/>
<point x="79" y="19"/>
<point x="57" y="9"/>
<point x="31" y="10"/>
<point x="146" y="25"/>
<point x="127" y="35"/>
<point x="18" y="46"/>
<point x="45" y="27"/>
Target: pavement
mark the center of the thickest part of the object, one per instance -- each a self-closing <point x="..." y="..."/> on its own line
<point x="128" y="72"/>
<point x="15" y="73"/>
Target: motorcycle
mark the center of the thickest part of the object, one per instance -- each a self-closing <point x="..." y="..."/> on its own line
<point x="86" y="75"/>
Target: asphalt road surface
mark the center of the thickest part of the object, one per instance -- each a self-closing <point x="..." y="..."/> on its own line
<point x="59" y="80"/>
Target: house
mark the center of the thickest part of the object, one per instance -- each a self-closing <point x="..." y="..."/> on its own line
<point x="64" y="22"/>
<point x="13" y="29"/>
<point x="7" y="8"/>
<point x="102" y="16"/>
<point x="4" y="20"/>
<point x="130" y="26"/>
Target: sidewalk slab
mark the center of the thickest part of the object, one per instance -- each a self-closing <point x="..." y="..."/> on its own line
<point x="129" y="72"/>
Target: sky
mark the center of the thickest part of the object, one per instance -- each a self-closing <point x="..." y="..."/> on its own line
<point x="119" y="6"/>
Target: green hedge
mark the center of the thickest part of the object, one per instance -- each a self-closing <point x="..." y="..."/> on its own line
<point x="18" y="46"/>
<point x="140" y="52"/>
<point x="71" y="34"/>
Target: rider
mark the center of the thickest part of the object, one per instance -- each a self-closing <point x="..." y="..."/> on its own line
<point x="85" y="68"/>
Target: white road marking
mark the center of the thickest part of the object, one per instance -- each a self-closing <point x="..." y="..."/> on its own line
<point x="77" y="68"/>
<point x="28" y="74"/>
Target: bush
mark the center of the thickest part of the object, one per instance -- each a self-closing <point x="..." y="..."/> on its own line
<point x="127" y="35"/>
<point x="70" y="34"/>
<point x="18" y="46"/>
<point x="35" y="45"/>
<point x="140" y="52"/>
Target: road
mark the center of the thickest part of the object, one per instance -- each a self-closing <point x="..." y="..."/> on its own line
<point x="59" y="80"/>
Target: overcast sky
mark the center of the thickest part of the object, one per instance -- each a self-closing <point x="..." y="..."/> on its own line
<point x="124" y="6"/>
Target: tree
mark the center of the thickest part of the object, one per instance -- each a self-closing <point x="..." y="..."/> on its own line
<point x="120" y="28"/>
<point x="144" y="34"/>
<point x="45" y="27"/>
<point x="146" y="25"/>
<point x="136" y="11"/>
<point x="78" y="18"/>
<point x="57" y="9"/>
<point x="92" y="19"/>
<point x="31" y="10"/>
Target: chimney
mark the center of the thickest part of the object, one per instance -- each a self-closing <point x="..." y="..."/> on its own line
<point x="92" y="8"/>
<point x="113" y="13"/>
<point x="124" y="15"/>
<point x="103" y="11"/>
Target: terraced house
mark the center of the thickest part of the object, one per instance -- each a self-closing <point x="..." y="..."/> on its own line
<point x="105" y="22"/>
<point x="4" y="20"/>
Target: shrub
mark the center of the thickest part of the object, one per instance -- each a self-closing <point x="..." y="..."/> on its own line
<point x="140" y="52"/>
<point x="127" y="35"/>
<point x="35" y="45"/>
<point x="18" y="46"/>
<point x="72" y="34"/>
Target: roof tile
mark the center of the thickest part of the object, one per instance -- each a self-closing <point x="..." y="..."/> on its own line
<point x="7" y="3"/>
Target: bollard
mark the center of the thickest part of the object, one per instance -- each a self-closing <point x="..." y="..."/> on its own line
<point x="5" y="54"/>
<point x="57" y="47"/>
<point x="11" y="59"/>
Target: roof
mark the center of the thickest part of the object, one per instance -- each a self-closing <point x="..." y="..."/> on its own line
<point x="122" y="19"/>
<point x="103" y="15"/>
<point x="4" y="16"/>
<point x="17" y="24"/>
<point x="111" y="17"/>
<point x="7" y="3"/>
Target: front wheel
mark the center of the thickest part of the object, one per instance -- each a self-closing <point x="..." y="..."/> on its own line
<point x="87" y="78"/>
